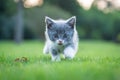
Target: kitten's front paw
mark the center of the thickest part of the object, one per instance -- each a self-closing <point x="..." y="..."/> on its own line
<point x="56" y="58"/>
<point x="69" y="56"/>
<point x="69" y="53"/>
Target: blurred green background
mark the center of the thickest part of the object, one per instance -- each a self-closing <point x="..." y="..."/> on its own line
<point x="96" y="19"/>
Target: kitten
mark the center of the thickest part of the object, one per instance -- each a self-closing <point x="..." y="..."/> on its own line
<point x="61" y="37"/>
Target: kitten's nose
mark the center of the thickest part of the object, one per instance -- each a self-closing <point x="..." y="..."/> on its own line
<point x="60" y="42"/>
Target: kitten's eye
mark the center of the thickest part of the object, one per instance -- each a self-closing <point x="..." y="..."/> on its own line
<point x="55" y="36"/>
<point x="64" y="36"/>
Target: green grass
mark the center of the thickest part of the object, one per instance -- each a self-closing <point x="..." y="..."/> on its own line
<point x="95" y="60"/>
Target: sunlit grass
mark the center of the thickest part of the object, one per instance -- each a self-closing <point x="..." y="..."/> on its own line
<point x="96" y="60"/>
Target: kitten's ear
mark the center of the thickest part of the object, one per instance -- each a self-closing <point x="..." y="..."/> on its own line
<point x="49" y="22"/>
<point x="72" y="21"/>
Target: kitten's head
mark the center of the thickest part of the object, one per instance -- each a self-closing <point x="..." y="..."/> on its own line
<point x="60" y="31"/>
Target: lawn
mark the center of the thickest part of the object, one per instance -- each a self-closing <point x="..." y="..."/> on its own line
<point x="95" y="60"/>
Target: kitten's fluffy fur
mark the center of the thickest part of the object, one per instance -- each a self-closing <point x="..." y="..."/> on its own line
<point x="61" y="37"/>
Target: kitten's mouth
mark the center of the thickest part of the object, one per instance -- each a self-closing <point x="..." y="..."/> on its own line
<point x="60" y="44"/>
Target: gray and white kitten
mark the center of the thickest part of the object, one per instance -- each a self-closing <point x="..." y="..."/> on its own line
<point x="61" y="37"/>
